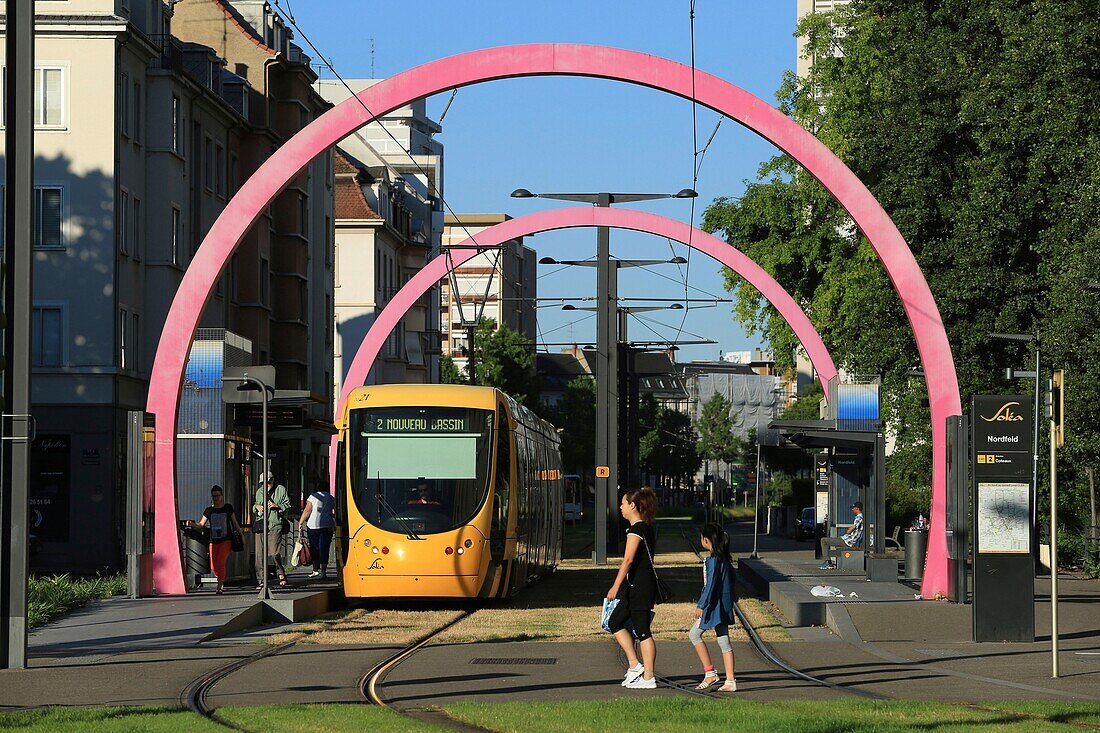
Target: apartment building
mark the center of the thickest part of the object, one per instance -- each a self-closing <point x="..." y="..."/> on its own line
<point x="399" y="164"/>
<point x="501" y="284"/>
<point x="378" y="248"/>
<point x="804" y="8"/>
<point x="141" y="139"/>
<point x="290" y="253"/>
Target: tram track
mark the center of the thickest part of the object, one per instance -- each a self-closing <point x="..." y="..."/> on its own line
<point x="370" y="684"/>
<point x="194" y="695"/>
<point x="769" y="655"/>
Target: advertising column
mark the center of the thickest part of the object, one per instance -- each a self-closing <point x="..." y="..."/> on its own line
<point x="1004" y="567"/>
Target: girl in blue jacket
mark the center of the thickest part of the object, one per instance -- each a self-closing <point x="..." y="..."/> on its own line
<point x="715" y="607"/>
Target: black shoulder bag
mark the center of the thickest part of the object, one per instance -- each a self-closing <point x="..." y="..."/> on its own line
<point x="664" y="593"/>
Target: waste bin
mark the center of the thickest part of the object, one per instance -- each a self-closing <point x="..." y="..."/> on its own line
<point x="196" y="554"/>
<point x="916" y="546"/>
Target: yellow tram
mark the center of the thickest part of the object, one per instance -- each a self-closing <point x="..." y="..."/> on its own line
<point x="445" y="491"/>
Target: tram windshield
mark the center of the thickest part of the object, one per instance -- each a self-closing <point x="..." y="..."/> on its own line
<point x="420" y="470"/>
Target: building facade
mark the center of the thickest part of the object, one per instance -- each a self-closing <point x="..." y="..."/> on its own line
<point x="501" y="284"/>
<point x="378" y="249"/>
<point x="401" y="165"/>
<point x="803" y="9"/>
<point x="290" y="253"/>
<point x="141" y="139"/>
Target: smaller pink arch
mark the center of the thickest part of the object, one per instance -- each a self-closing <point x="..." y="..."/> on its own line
<point x="573" y="217"/>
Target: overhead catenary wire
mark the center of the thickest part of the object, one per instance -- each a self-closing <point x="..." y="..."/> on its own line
<point x="694" y="160"/>
<point x="679" y="331"/>
<point x="672" y="279"/>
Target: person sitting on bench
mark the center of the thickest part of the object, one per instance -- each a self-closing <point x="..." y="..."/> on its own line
<point x="852" y="538"/>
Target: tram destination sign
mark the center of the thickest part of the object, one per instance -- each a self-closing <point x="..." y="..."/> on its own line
<point x="1002" y="435"/>
<point x="417" y="423"/>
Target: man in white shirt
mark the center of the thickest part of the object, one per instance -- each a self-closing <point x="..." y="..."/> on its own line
<point x="852" y="538"/>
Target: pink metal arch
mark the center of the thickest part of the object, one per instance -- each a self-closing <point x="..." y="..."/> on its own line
<point x="587" y="216"/>
<point x="541" y="60"/>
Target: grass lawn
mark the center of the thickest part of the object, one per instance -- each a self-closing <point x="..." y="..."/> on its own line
<point x="1069" y="712"/>
<point x="677" y="715"/>
<point x="52" y="596"/>
<point x="323" y="719"/>
<point x="109" y="720"/>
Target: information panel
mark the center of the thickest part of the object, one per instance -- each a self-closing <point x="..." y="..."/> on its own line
<point x="1003" y="517"/>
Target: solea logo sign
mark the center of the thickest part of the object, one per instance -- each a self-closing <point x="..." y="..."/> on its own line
<point x="1005" y="414"/>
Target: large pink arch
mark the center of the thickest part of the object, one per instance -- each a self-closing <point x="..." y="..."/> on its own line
<point x="541" y="60"/>
<point x="570" y="218"/>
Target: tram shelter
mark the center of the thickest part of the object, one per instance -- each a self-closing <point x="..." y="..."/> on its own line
<point x="850" y="466"/>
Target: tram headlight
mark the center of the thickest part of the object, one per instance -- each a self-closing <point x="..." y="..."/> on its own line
<point x="374" y="550"/>
<point x="468" y="544"/>
<point x="461" y="551"/>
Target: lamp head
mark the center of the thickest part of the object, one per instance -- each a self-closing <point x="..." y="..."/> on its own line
<point x="522" y="193"/>
<point x="548" y="261"/>
<point x="678" y="261"/>
<point x="569" y="307"/>
<point x="676" y="307"/>
<point x="685" y="193"/>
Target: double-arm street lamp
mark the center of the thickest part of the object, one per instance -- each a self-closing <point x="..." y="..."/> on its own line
<point x="607" y="408"/>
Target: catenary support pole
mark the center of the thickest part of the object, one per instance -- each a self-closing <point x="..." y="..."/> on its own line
<point x="606" y="317"/>
<point x="17" y="425"/>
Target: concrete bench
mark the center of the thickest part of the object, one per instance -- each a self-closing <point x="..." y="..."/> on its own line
<point x="882" y="568"/>
<point x="850" y="558"/>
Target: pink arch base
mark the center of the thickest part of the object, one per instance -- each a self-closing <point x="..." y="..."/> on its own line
<point x="541" y="60"/>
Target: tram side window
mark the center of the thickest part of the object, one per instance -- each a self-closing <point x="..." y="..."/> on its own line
<point x="503" y="474"/>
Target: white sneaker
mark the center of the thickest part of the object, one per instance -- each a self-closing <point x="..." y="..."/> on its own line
<point x="633" y="673"/>
<point x="641" y="683"/>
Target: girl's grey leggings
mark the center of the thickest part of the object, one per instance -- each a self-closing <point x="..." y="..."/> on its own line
<point x="722" y="631"/>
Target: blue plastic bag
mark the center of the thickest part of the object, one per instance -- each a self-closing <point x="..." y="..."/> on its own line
<point x="609" y="605"/>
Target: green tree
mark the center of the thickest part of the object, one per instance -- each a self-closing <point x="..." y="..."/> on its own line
<point x="717" y="441"/>
<point x="505" y="359"/>
<point x="449" y="373"/>
<point x="576" y="416"/>
<point x="977" y="126"/>
<point x="670" y="448"/>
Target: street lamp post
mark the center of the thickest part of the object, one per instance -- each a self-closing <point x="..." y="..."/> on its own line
<point x="264" y="389"/>
<point x="606" y="350"/>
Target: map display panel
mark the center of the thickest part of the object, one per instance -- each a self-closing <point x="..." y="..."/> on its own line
<point x="1003" y="518"/>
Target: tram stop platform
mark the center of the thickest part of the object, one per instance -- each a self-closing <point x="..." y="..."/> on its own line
<point x="788" y="581"/>
<point x="120" y="625"/>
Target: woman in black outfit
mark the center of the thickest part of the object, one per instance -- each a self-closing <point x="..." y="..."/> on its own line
<point x="636" y="588"/>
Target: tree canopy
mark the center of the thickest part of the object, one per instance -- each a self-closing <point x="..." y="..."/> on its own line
<point x="976" y="124"/>
<point x="717" y="441"/>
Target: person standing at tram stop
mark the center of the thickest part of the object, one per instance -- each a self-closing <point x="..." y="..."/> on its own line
<point x="715" y="607"/>
<point x="636" y="588"/>
<point x="852" y="538"/>
<point x="222" y="521"/>
<point x="318" y="520"/>
<point x="271" y="505"/>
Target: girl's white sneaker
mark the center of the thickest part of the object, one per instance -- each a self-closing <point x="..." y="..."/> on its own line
<point x="641" y="684"/>
<point x="633" y="673"/>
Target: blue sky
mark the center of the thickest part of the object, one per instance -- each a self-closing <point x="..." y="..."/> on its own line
<point x="569" y="134"/>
